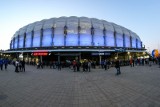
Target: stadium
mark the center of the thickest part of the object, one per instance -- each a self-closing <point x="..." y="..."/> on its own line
<point x="68" y="38"/>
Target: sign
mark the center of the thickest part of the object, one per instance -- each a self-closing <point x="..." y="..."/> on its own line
<point x="101" y="53"/>
<point x="119" y="50"/>
<point x="155" y="53"/>
<point x="40" y="53"/>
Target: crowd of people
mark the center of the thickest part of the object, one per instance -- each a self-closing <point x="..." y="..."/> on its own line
<point x="85" y="65"/>
<point x="4" y="62"/>
<point x="19" y="66"/>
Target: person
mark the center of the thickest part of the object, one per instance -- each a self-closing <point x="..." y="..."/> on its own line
<point x="1" y="63"/>
<point x="117" y="66"/>
<point x="16" y="66"/>
<point x="74" y="65"/>
<point x="89" y="66"/>
<point x="159" y="60"/>
<point x="83" y="65"/>
<point x="105" y="64"/>
<point x="23" y="66"/>
<point x="59" y="66"/>
<point x="38" y="64"/>
<point x="6" y="63"/>
<point x="150" y="61"/>
<point x="78" y="65"/>
<point x="131" y="62"/>
<point x="20" y="66"/>
<point x="108" y="64"/>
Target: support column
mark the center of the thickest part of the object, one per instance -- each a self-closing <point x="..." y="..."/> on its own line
<point x="59" y="57"/>
<point x="41" y="59"/>
<point x="100" y="59"/>
<point x="27" y="58"/>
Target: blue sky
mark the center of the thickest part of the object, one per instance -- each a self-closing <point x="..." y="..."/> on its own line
<point x="140" y="16"/>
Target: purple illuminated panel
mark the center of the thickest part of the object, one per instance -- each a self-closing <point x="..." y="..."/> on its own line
<point x="85" y="37"/>
<point x="21" y="41"/>
<point x="119" y="40"/>
<point x="72" y="40"/>
<point x="127" y="41"/>
<point x="58" y="39"/>
<point x="133" y="43"/>
<point x="98" y="38"/>
<point x="16" y="43"/>
<point x="47" y="37"/>
<point x="36" y="39"/>
<point x="110" y="39"/>
<point x="28" y="40"/>
<point x="139" y="44"/>
<point x="12" y="44"/>
<point x="85" y="40"/>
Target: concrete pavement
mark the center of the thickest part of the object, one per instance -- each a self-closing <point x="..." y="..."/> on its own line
<point x="136" y="87"/>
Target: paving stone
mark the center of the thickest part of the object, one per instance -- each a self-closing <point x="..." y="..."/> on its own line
<point x="137" y="86"/>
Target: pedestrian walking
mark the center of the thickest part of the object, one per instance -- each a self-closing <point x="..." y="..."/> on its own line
<point x="117" y="66"/>
<point x="1" y="63"/>
<point x="59" y="66"/>
<point x="89" y="66"/>
<point x="16" y="66"/>
<point x="23" y="66"/>
<point x="105" y="64"/>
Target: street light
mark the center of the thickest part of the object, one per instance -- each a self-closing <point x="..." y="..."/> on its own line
<point x="128" y="55"/>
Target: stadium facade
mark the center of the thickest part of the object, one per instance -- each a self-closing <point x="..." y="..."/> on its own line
<point x="76" y="36"/>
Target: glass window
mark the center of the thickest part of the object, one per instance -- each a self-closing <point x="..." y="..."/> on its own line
<point x="98" y="38"/>
<point x="58" y="39"/>
<point x="119" y="40"/>
<point x="36" y="39"/>
<point x="47" y="37"/>
<point x="28" y="40"/>
<point x="109" y="39"/>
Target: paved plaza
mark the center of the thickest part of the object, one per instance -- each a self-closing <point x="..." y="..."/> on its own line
<point x="136" y="87"/>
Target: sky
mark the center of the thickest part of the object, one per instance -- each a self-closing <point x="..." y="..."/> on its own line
<point x="140" y="16"/>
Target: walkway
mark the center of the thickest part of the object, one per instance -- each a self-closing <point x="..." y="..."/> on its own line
<point x="135" y="87"/>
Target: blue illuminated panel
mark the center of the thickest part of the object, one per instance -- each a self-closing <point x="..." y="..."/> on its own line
<point x="85" y="37"/>
<point x="58" y="39"/>
<point x="12" y="44"/>
<point x="127" y="41"/>
<point x="21" y="41"/>
<point x="28" y="40"/>
<point x="36" y="39"/>
<point x="119" y="40"/>
<point x="72" y="39"/>
<point x="139" y="44"/>
<point x="133" y="43"/>
<point x="47" y="37"/>
<point x="110" y="39"/>
<point x="98" y="38"/>
<point x="16" y="43"/>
